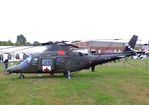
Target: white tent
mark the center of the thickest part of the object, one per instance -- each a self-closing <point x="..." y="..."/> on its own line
<point x="19" y="51"/>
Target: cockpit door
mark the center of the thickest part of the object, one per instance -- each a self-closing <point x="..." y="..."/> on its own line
<point x="34" y="63"/>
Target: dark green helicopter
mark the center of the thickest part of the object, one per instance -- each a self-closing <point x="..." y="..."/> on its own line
<point x="60" y="57"/>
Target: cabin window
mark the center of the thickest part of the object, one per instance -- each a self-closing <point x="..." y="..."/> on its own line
<point x="35" y="61"/>
<point x="46" y="62"/>
<point x="59" y="60"/>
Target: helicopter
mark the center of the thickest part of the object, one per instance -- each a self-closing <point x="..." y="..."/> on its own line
<point x="61" y="57"/>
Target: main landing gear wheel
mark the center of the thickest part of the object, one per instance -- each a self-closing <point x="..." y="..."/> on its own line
<point x="21" y="76"/>
<point x="69" y="75"/>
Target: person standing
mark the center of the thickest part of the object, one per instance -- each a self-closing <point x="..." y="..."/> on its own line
<point x="1" y="58"/>
<point x="6" y="61"/>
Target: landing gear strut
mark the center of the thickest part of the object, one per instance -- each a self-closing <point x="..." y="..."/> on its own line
<point x="52" y="74"/>
<point x="21" y="76"/>
<point x="93" y="68"/>
<point x="65" y="74"/>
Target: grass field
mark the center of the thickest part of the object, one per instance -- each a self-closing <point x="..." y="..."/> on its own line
<point x="111" y="84"/>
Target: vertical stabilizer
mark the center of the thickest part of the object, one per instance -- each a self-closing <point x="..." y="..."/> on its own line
<point x="131" y="44"/>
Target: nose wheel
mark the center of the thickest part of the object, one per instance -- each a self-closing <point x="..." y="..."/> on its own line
<point x="21" y="76"/>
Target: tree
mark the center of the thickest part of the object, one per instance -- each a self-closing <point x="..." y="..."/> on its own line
<point x="10" y="43"/>
<point x="28" y="43"/>
<point x="36" y="43"/>
<point x="6" y="43"/>
<point x="21" y="40"/>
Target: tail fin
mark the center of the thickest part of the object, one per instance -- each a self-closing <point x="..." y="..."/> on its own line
<point x="131" y="44"/>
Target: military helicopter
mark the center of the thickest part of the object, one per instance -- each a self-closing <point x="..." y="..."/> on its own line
<point x="60" y="57"/>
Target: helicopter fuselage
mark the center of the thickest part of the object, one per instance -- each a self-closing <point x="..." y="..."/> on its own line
<point x="62" y="59"/>
<point x="46" y="63"/>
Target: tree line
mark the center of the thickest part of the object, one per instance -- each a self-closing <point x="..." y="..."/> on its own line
<point x="20" y="41"/>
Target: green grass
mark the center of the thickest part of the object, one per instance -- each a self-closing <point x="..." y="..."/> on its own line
<point x="111" y="84"/>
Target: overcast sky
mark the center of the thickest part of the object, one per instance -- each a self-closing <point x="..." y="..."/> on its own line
<point x="45" y="20"/>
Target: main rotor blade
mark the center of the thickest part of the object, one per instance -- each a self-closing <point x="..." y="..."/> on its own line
<point x="8" y="47"/>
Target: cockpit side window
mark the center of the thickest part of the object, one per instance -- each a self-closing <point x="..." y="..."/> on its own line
<point x="28" y="60"/>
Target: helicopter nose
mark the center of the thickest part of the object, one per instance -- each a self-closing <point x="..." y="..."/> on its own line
<point x="14" y="69"/>
<point x="19" y="68"/>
